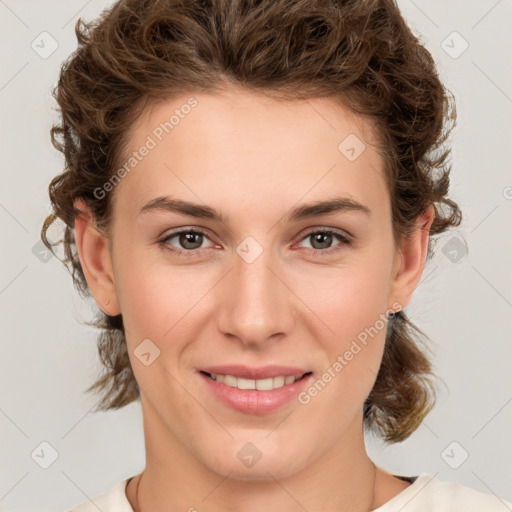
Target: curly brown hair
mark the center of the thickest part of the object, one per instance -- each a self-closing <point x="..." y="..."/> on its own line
<point x="359" y="53"/>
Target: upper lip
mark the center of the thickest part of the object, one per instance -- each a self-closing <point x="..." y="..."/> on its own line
<point x="255" y="373"/>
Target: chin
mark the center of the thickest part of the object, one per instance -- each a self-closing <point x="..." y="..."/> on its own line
<point x="248" y="463"/>
<point x="263" y="472"/>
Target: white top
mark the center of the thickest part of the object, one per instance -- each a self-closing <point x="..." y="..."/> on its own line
<point x="425" y="494"/>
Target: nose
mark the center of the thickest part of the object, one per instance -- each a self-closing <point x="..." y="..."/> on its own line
<point x="256" y="303"/>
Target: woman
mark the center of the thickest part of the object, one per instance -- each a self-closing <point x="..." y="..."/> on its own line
<point x="250" y="195"/>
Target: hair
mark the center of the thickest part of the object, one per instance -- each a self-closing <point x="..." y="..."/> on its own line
<point x="361" y="53"/>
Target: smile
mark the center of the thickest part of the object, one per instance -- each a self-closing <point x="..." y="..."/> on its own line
<point x="255" y="390"/>
<point x="259" y="384"/>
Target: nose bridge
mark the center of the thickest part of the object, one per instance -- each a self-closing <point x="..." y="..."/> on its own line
<point x="256" y="304"/>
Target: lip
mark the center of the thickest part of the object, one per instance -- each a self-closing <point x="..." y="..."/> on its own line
<point x="263" y="372"/>
<point x="253" y="401"/>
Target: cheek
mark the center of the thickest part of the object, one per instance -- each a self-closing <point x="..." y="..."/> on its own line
<point x="164" y="303"/>
<point x="338" y="301"/>
<point x="155" y="302"/>
<point x="346" y="299"/>
<point x="350" y="305"/>
<point x="160" y="303"/>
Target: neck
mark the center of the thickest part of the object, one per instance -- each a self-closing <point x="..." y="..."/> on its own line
<point x="343" y="479"/>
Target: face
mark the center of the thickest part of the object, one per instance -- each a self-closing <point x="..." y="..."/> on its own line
<point x="280" y="297"/>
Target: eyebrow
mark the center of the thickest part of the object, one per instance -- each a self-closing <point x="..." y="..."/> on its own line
<point x="305" y="211"/>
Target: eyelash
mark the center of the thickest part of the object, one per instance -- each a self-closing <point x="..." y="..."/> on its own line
<point x="345" y="242"/>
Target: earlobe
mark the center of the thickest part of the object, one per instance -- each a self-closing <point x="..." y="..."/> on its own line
<point x="412" y="258"/>
<point x="95" y="258"/>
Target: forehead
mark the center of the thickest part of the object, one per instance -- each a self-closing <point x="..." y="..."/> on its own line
<point x="243" y="148"/>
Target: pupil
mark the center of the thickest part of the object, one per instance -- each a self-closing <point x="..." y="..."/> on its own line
<point x="327" y="239"/>
<point x="188" y="238"/>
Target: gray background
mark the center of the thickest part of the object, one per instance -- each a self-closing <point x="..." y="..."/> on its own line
<point x="463" y="303"/>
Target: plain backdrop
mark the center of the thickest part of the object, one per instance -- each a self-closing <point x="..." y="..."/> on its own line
<point x="463" y="303"/>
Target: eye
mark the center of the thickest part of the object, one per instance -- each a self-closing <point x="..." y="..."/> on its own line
<point x="322" y="240"/>
<point x="189" y="241"/>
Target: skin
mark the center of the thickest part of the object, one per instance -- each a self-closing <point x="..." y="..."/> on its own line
<point x="241" y="153"/>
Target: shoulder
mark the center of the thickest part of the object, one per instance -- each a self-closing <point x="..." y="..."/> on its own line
<point x="456" y="496"/>
<point x="428" y="493"/>
<point x="112" y="500"/>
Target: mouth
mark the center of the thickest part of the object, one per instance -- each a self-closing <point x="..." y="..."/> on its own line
<point x="266" y="384"/>
<point x="255" y="390"/>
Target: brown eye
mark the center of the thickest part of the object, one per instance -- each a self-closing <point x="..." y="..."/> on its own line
<point x="322" y="242"/>
<point x="188" y="242"/>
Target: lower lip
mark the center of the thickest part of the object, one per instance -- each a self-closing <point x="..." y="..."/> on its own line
<point x="253" y="401"/>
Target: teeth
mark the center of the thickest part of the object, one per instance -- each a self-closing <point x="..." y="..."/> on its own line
<point x="245" y="383"/>
<point x="265" y="384"/>
<point x="260" y="384"/>
<point x="278" y="382"/>
<point x="231" y="381"/>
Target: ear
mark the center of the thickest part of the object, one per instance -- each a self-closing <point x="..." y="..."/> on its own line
<point x="410" y="260"/>
<point x="95" y="258"/>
